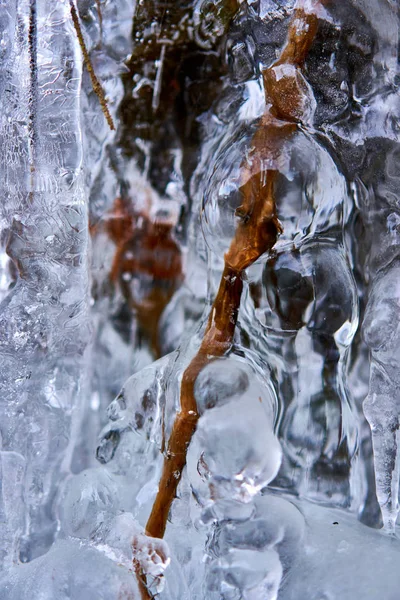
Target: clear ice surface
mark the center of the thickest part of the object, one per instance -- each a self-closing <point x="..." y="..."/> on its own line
<point x="112" y="247"/>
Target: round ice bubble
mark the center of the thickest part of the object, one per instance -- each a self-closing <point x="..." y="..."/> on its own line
<point x="308" y="188"/>
<point x="247" y="558"/>
<point x="219" y="382"/>
<point x="304" y="286"/>
<point x="256" y="575"/>
<point x="234" y="452"/>
<point x="88" y="499"/>
<point x="273" y="523"/>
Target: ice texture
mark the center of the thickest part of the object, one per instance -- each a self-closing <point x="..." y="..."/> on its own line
<point x="45" y="327"/>
<point x="116" y="254"/>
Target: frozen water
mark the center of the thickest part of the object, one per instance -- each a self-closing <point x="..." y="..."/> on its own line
<point x="115" y="305"/>
<point x="71" y="569"/>
<point x="361" y="560"/>
<point x="234" y="448"/>
<point x="44" y="314"/>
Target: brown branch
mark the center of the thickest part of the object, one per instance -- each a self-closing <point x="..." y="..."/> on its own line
<point x="100" y="14"/>
<point x="217" y="339"/>
<point x="256" y="234"/>
<point x="141" y="580"/>
<point x="96" y="85"/>
<point x="33" y="92"/>
<point x="301" y="34"/>
<point x="284" y="84"/>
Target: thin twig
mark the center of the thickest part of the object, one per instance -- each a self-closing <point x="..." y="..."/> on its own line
<point x="33" y="92"/>
<point x="98" y="6"/>
<point x="255" y="235"/>
<point x="97" y="87"/>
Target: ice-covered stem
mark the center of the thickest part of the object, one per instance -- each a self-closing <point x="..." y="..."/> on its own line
<point x="256" y="233"/>
<point x="100" y="13"/>
<point x="217" y="339"/>
<point x="285" y="86"/>
<point x="97" y="87"/>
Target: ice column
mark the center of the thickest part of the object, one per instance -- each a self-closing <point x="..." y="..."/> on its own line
<point x="381" y="329"/>
<point x="378" y="199"/>
<point x="44" y="327"/>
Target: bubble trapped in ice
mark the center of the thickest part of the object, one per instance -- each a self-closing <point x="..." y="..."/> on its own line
<point x="310" y="190"/>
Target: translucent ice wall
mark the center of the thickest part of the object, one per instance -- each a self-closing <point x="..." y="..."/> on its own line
<point x="44" y="313"/>
<point x="199" y="309"/>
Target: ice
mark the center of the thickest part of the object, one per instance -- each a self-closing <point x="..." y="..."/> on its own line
<point x="12" y="473"/>
<point x="87" y="500"/>
<point x="308" y="275"/>
<point x="152" y="555"/>
<point x="253" y="555"/>
<point x="219" y="382"/>
<point x="361" y="559"/>
<point x="233" y="455"/>
<point x="381" y="332"/>
<point x="199" y="310"/>
<point x="44" y="315"/>
<point x="234" y="445"/>
<point x="71" y="569"/>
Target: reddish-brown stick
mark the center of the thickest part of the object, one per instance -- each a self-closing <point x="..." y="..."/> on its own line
<point x="256" y="233"/>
